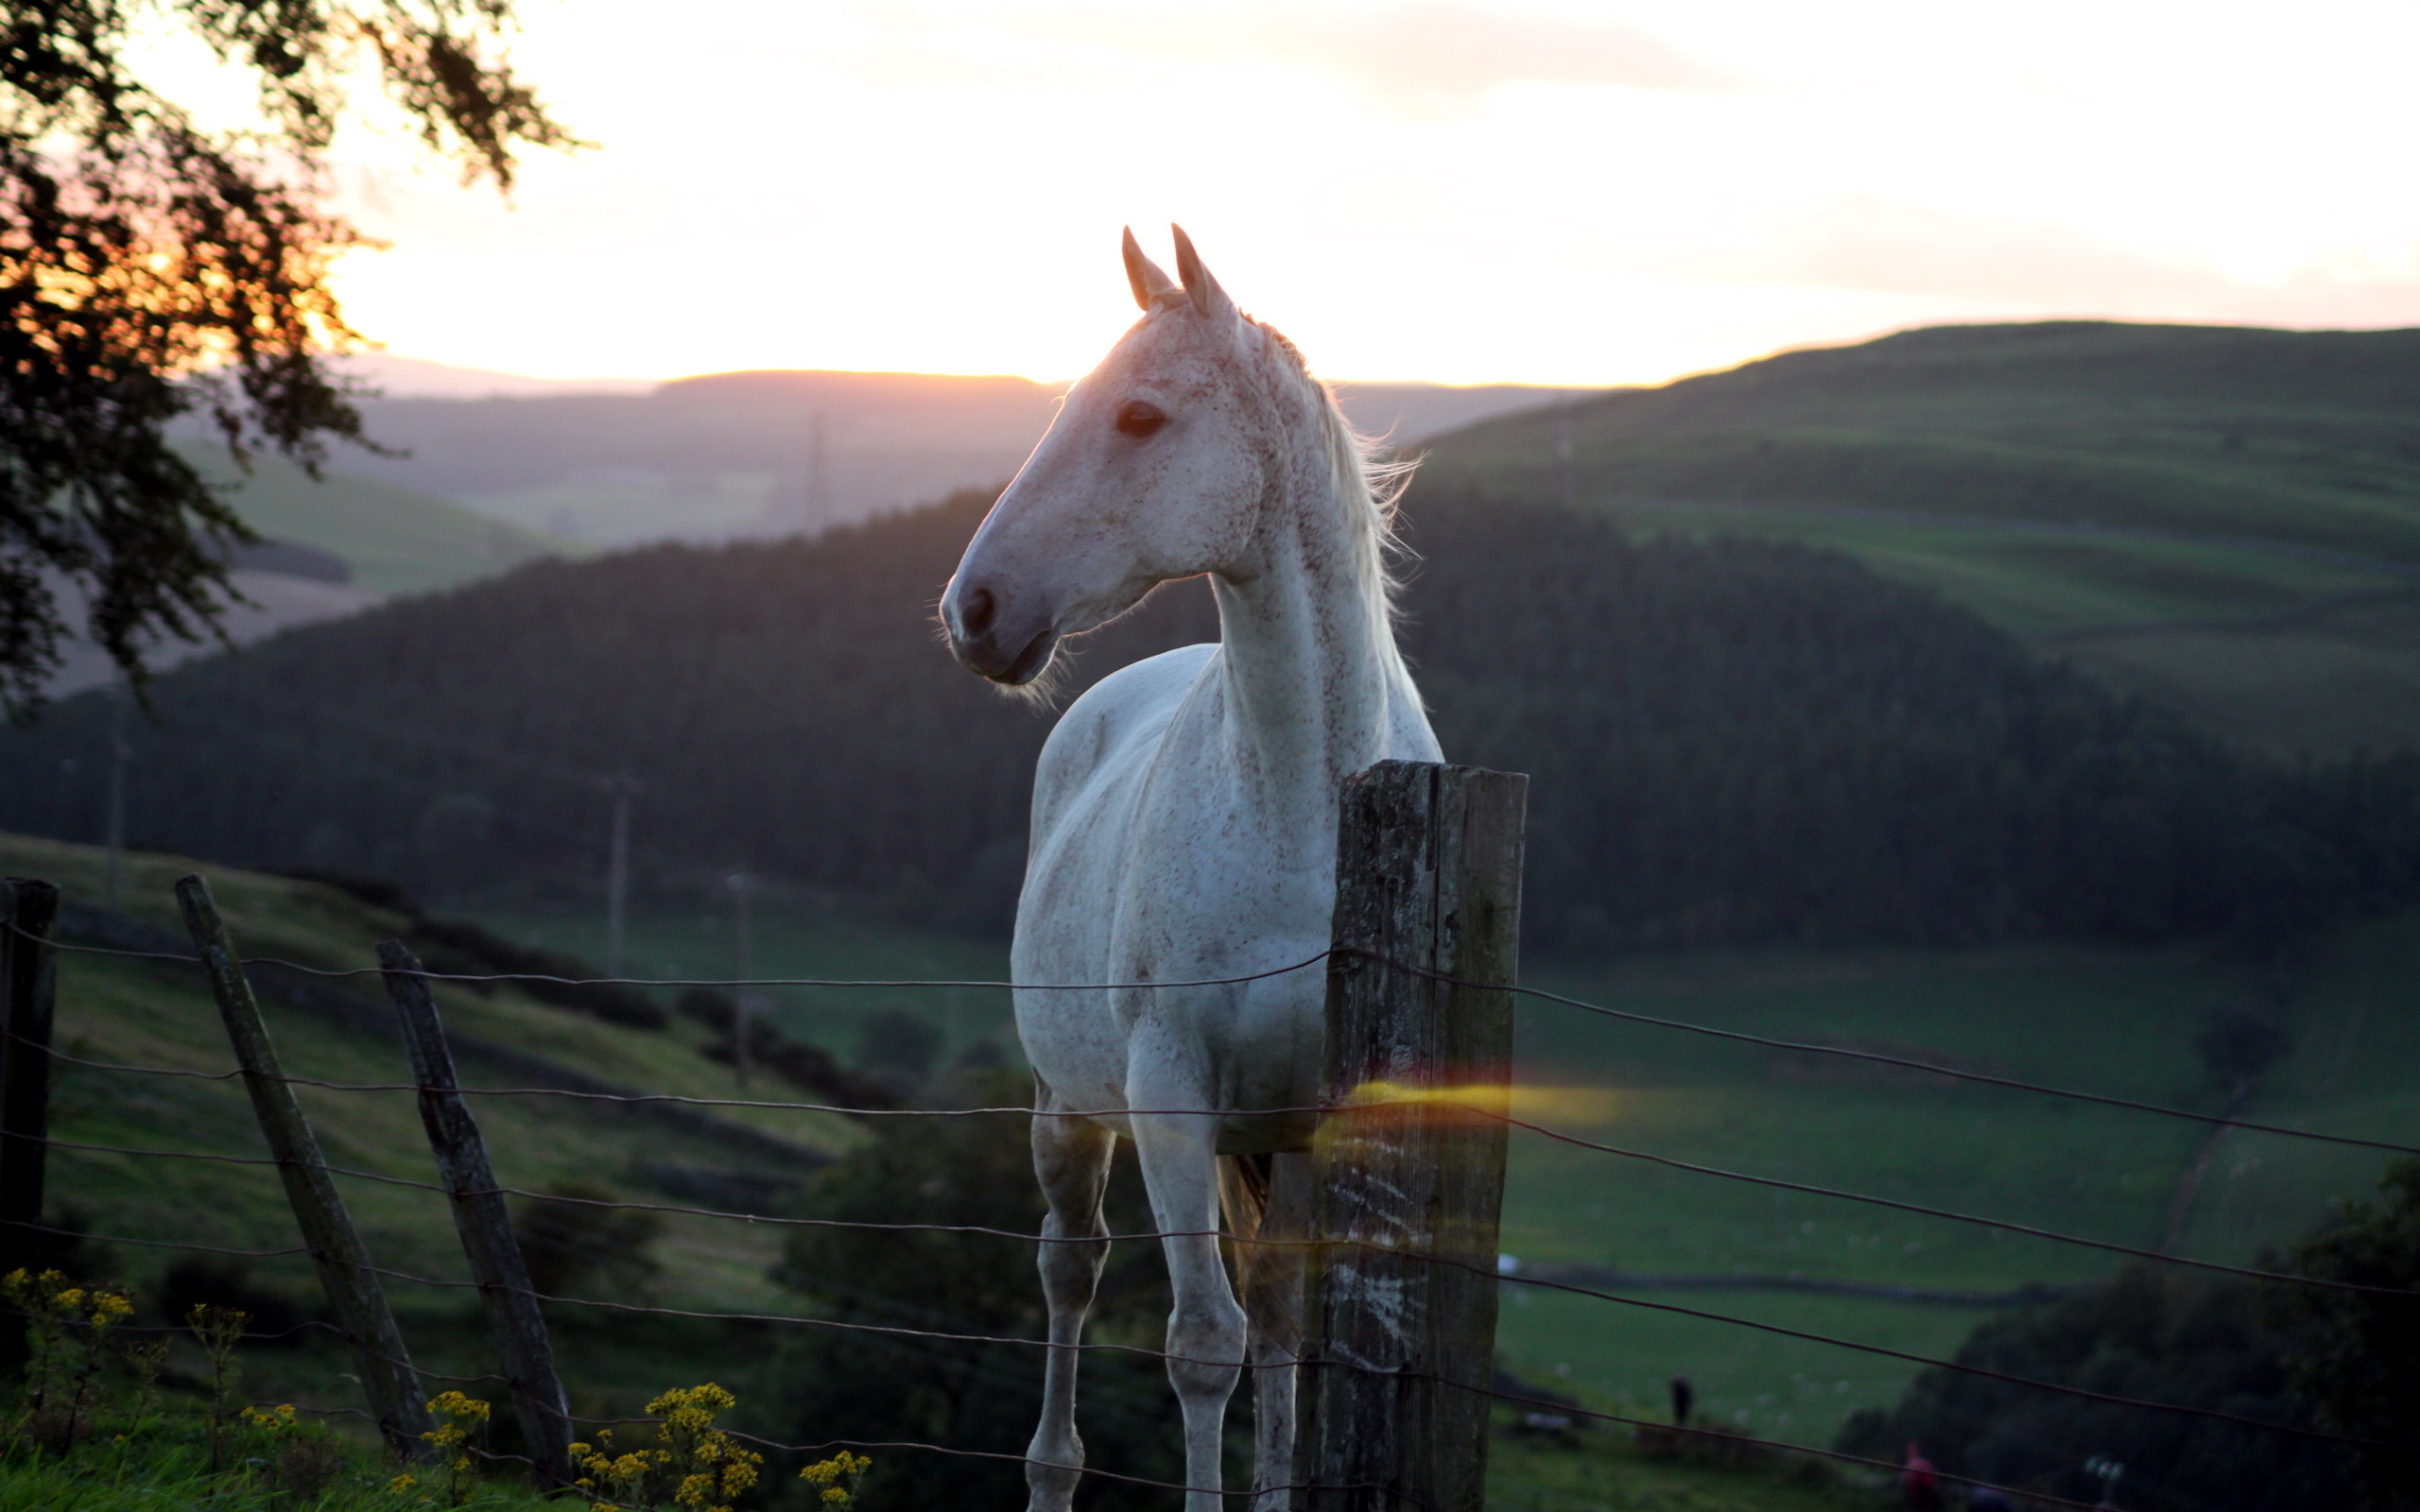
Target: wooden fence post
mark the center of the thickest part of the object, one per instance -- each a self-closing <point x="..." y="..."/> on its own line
<point x="483" y="1222"/>
<point x="1398" y="1352"/>
<point x="353" y="1292"/>
<point x="29" y="913"/>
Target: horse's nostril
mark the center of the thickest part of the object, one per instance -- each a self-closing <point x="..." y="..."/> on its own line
<point x="974" y="611"/>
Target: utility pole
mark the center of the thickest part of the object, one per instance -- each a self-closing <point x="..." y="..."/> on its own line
<point x="621" y="788"/>
<point x="818" y="490"/>
<point x="742" y="1000"/>
<point x="1563" y="453"/>
<point x="121" y="751"/>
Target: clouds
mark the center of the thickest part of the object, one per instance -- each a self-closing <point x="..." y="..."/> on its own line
<point x="1553" y="190"/>
<point x="1856" y="242"/>
<point x="1434" y="56"/>
<point x="1424" y="57"/>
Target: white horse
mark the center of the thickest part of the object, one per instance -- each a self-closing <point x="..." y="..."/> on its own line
<point x="1185" y="815"/>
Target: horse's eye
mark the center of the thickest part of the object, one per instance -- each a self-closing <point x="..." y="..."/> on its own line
<point x="1138" y="419"/>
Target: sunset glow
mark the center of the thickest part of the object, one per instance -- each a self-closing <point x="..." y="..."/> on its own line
<point x="1551" y="193"/>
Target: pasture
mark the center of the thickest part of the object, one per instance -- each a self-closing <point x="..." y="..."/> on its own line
<point x="2115" y="1021"/>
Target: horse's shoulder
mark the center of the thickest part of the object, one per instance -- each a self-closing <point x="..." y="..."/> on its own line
<point x="1133" y="701"/>
<point x="1148" y="691"/>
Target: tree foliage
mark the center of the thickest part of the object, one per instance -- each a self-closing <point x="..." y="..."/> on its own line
<point x="151" y="267"/>
<point x="2275" y="1352"/>
<point x="2352" y="1352"/>
<point x="2150" y="1335"/>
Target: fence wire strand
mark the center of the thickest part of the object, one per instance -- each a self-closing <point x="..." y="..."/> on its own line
<point x="1623" y="1015"/>
<point x="954" y="1337"/>
<point x="981" y="1339"/>
<point x="2010" y="1226"/>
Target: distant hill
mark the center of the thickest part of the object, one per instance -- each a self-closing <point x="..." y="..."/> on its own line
<point x="768" y="454"/>
<point x="395" y="540"/>
<point x="2226" y="520"/>
<point x="335" y="546"/>
<point x="1731" y="741"/>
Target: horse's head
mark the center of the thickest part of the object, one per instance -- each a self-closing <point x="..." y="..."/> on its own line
<point x="1150" y="471"/>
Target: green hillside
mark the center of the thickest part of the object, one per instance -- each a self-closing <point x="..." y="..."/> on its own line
<point x="396" y="540"/>
<point x="143" y="1013"/>
<point x="158" y="1014"/>
<point x="2226" y="520"/>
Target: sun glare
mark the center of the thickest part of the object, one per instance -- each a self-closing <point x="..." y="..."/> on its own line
<point x="1547" y="193"/>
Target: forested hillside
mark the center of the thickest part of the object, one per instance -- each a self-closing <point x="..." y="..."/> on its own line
<point x="2225" y="521"/>
<point x="1731" y="741"/>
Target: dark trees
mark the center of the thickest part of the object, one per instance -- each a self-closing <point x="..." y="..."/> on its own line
<point x="151" y="269"/>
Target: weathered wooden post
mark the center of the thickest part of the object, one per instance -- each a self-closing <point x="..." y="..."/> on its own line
<point x="482" y="1220"/>
<point x="29" y="913"/>
<point x="352" y="1285"/>
<point x="1398" y="1351"/>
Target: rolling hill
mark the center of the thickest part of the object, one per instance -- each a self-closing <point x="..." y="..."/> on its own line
<point x="2225" y="520"/>
<point x="395" y="540"/>
<point x="363" y="542"/>
<point x="729" y="455"/>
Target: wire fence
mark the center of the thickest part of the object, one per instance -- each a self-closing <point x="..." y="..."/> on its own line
<point x="1929" y="1068"/>
<point x="937" y="1336"/>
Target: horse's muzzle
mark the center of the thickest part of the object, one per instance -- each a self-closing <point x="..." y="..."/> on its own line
<point x="1005" y="647"/>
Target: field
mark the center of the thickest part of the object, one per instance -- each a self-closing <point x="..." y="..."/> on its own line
<point x="2117" y="1022"/>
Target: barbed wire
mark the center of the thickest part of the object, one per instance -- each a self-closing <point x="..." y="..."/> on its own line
<point x="1173" y="1358"/>
<point x="1929" y="1068"/>
<point x="1623" y="1015"/>
<point x="154" y="1244"/>
<point x="479" y="977"/>
<point x="1146" y="1351"/>
<point x="1778" y="1183"/>
<point x="935" y="1335"/>
<point x="1925" y="1209"/>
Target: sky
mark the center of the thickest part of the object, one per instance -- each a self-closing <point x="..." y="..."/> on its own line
<point x="1564" y="194"/>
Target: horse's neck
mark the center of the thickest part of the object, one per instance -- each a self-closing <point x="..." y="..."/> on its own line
<point x="1312" y="682"/>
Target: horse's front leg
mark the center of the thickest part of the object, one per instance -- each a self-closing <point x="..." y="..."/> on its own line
<point x="1272" y="1270"/>
<point x="1071" y="1158"/>
<point x="1179" y="1157"/>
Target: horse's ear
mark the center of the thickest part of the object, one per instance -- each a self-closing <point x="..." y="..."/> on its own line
<point x="1200" y="286"/>
<point x="1152" y="286"/>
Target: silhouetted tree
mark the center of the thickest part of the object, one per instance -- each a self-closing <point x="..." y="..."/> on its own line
<point x="2351" y="1352"/>
<point x="149" y="269"/>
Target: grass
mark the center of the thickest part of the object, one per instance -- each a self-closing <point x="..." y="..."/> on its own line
<point x="1601" y="1470"/>
<point x="790" y="937"/>
<point x="162" y="1015"/>
<point x="2118" y="1022"/>
<point x="173" y="1476"/>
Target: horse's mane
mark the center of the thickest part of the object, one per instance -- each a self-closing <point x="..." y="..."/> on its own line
<point x="1369" y="484"/>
